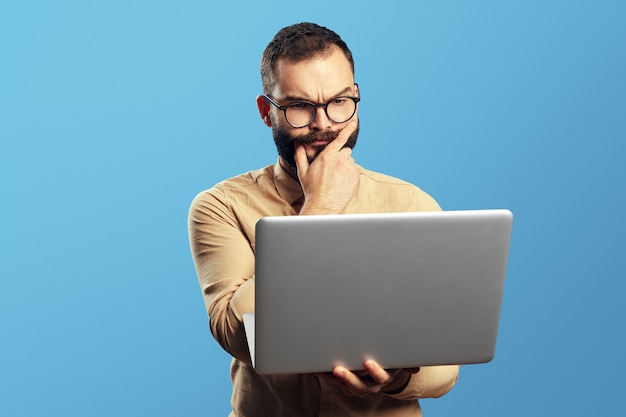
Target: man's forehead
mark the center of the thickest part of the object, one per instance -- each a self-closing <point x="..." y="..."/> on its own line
<point x="327" y="73"/>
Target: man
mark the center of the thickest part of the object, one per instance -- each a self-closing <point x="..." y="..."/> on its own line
<point x="311" y="105"/>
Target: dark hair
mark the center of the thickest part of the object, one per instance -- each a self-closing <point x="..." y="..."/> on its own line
<point x="297" y="43"/>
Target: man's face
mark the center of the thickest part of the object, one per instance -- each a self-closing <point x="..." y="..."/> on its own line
<point x="316" y="80"/>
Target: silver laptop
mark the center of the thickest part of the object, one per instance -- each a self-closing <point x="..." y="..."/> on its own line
<point x="404" y="289"/>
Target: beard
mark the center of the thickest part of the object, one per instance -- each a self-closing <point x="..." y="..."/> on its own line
<point x="286" y="144"/>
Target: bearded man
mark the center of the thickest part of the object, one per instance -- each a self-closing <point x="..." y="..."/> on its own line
<point x="310" y="102"/>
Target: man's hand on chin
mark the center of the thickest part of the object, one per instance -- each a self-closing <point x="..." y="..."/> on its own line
<point x="329" y="182"/>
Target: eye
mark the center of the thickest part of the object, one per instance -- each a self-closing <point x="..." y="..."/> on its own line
<point x="299" y="105"/>
<point x="339" y="101"/>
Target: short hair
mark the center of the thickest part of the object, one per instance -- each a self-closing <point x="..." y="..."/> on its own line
<point x="297" y="43"/>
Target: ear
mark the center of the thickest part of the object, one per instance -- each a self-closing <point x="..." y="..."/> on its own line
<point x="264" y="110"/>
<point x="356" y="90"/>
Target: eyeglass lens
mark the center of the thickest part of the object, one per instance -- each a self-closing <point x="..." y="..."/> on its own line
<point x="339" y="110"/>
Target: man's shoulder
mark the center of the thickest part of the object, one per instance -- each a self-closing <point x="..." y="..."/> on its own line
<point x="247" y="178"/>
<point x="243" y="180"/>
<point x="239" y="184"/>
<point x="384" y="179"/>
<point x="395" y="194"/>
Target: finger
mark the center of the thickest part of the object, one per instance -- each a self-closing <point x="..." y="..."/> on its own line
<point x="302" y="162"/>
<point x="351" y="381"/>
<point x="343" y="137"/>
<point x="377" y="373"/>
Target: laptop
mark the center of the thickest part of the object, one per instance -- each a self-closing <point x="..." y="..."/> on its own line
<point x="404" y="289"/>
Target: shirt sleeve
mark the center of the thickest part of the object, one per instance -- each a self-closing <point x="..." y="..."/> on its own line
<point x="429" y="382"/>
<point x="224" y="259"/>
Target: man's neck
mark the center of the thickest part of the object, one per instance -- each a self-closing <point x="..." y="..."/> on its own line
<point x="291" y="171"/>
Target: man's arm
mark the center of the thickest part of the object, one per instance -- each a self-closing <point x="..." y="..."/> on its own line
<point x="329" y="183"/>
<point x="224" y="262"/>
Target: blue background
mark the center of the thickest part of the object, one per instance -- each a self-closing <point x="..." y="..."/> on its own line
<point x="114" y="114"/>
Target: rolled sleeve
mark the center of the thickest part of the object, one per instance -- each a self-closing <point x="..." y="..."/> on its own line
<point x="429" y="382"/>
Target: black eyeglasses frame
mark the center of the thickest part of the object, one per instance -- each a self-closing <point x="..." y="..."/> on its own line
<point x="315" y="106"/>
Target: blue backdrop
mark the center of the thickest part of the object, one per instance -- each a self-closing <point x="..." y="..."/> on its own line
<point x="114" y="114"/>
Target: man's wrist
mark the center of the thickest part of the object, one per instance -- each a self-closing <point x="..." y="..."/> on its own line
<point x="400" y="382"/>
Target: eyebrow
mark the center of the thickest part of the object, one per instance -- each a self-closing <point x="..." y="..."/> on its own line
<point x="296" y="98"/>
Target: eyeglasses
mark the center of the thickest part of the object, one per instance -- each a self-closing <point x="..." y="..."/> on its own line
<point x="302" y="113"/>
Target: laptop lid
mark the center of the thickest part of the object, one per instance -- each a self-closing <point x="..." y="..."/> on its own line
<point x="404" y="289"/>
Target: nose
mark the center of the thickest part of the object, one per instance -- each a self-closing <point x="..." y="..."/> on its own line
<point x="321" y="120"/>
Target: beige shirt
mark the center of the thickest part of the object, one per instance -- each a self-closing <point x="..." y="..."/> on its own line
<point x="221" y="231"/>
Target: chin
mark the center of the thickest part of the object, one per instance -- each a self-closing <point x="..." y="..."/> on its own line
<point x="313" y="151"/>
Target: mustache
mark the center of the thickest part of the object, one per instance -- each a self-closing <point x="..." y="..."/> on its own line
<point x="312" y="137"/>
